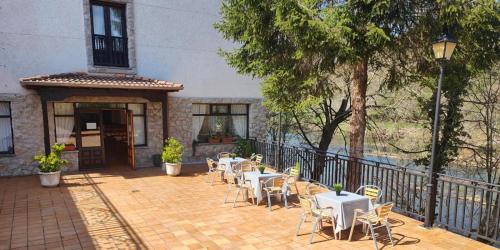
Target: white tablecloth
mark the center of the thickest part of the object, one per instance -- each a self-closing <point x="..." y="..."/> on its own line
<point x="225" y="163"/>
<point x="343" y="206"/>
<point x="255" y="178"/>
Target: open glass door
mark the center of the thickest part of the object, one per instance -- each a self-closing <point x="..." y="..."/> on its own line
<point x="130" y="139"/>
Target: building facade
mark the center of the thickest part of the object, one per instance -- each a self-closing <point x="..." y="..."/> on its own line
<point x="112" y="79"/>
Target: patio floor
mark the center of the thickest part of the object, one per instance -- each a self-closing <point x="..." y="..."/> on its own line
<point x="144" y="209"/>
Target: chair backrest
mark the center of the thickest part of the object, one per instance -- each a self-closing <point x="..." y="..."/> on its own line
<point x="245" y="166"/>
<point x="258" y="158"/>
<point x="384" y="210"/>
<point x="372" y="192"/>
<point x="211" y="164"/>
<point x="223" y="155"/>
<point x="315" y="188"/>
<point x="277" y="181"/>
<point x="294" y="171"/>
<point x="305" y="204"/>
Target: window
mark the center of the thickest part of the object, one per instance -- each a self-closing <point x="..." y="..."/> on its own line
<point x="64" y="120"/>
<point x="139" y="113"/>
<point x="217" y="120"/>
<point x="6" y="138"/>
<point x="109" y="38"/>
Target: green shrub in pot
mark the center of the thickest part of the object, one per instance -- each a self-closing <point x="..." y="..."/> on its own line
<point x="51" y="162"/>
<point x="50" y="165"/>
<point x="172" y="156"/>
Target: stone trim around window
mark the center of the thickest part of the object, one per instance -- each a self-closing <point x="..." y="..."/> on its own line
<point x="132" y="69"/>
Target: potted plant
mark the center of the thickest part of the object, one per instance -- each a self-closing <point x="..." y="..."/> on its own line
<point x="338" y="188"/>
<point x="243" y="148"/>
<point x="214" y="139"/>
<point x="70" y="147"/>
<point x="233" y="155"/>
<point x="261" y="168"/>
<point x="49" y="166"/>
<point x="228" y="138"/>
<point x="172" y="156"/>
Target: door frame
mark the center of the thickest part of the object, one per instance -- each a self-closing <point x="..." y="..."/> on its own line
<point x="78" y="112"/>
<point x="130" y="134"/>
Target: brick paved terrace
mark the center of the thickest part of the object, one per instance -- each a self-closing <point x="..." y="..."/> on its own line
<point x="145" y="209"/>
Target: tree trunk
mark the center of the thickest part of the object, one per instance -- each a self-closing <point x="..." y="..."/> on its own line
<point x="357" y="123"/>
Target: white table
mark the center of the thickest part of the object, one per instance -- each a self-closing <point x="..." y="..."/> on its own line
<point x="255" y="178"/>
<point x="343" y="206"/>
<point x="226" y="163"/>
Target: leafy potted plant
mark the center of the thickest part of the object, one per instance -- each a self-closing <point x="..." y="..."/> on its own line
<point x="243" y="148"/>
<point x="338" y="188"/>
<point x="228" y="138"/>
<point x="49" y="166"/>
<point x="261" y="167"/>
<point x="214" y="139"/>
<point x="172" y="156"/>
<point x="233" y="155"/>
<point x="70" y="147"/>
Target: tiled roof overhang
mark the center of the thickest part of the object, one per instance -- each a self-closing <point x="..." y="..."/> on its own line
<point x="108" y="81"/>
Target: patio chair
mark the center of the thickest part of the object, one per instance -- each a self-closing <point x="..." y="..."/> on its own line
<point x="245" y="166"/>
<point x="257" y="158"/>
<point x="223" y="155"/>
<point x="314" y="188"/>
<point x="293" y="175"/>
<point x="374" y="219"/>
<point x="311" y="208"/>
<point x="275" y="186"/>
<point x="234" y="181"/>
<point x="373" y="193"/>
<point x="213" y="170"/>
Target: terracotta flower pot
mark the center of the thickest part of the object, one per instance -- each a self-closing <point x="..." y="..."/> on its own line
<point x="228" y="139"/>
<point x="214" y="140"/>
<point x="50" y="179"/>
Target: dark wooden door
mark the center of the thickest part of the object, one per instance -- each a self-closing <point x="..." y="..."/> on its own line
<point x="90" y="139"/>
<point x="130" y="139"/>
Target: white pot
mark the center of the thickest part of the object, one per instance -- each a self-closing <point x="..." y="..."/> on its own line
<point x="173" y="168"/>
<point x="50" y="179"/>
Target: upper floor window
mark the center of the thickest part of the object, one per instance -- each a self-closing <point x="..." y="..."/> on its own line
<point x="109" y="36"/>
<point x="6" y="139"/>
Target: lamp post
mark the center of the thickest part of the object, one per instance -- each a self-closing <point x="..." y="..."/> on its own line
<point x="443" y="49"/>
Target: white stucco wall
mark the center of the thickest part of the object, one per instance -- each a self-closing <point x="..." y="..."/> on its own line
<point x="175" y="41"/>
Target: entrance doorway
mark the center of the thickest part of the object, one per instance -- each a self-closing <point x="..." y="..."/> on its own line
<point x="115" y="137"/>
<point x="105" y="138"/>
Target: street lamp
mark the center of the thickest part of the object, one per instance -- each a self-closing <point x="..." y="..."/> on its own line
<point x="443" y="48"/>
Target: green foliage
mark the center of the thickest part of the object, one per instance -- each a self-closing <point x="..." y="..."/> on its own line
<point x="172" y="151"/>
<point x="233" y="155"/>
<point x="304" y="49"/>
<point x="243" y="148"/>
<point x="476" y="26"/>
<point x="337" y="187"/>
<point x="261" y="168"/>
<point x="52" y="162"/>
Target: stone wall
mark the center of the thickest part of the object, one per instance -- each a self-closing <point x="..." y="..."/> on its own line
<point x="28" y="130"/>
<point x="180" y="124"/>
<point x="26" y="113"/>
